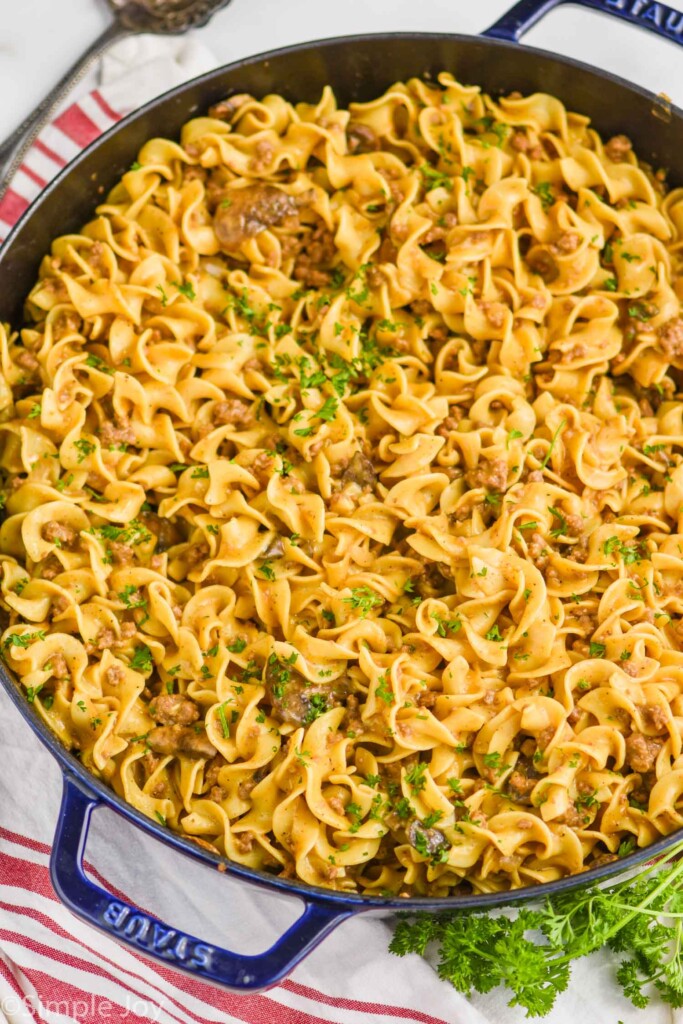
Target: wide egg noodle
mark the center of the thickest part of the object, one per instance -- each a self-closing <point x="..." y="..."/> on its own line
<point x="343" y="490"/>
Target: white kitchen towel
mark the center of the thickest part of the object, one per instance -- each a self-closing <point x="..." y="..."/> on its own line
<point x="129" y="74"/>
<point x="54" y="968"/>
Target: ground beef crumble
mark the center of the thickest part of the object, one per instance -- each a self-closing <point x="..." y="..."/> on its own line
<point x="642" y="751"/>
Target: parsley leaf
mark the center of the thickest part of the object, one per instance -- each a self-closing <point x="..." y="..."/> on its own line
<point x="415" y="776"/>
<point x="363" y="599"/>
<point x="224" y="721"/>
<point x="328" y="410"/>
<point x="84" y="448"/>
<point x="435" y="179"/>
<point x="266" y="570"/>
<point x="558" y="531"/>
<point x="142" y="659"/>
<point x="638" y="919"/>
<point x="185" y="289"/>
<point x="544" y="193"/>
<point x="317" y="706"/>
<point x="22" y="639"/>
<point x="555" y="436"/>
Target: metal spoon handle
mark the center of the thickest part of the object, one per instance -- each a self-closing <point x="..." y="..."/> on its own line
<point x="14" y="148"/>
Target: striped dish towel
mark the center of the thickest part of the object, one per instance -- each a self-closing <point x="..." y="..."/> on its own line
<point x="131" y="73"/>
<point x="58" y="143"/>
<point x="54" y="969"/>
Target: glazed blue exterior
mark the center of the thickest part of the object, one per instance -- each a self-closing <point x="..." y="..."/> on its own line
<point x="658" y="18"/>
<point x="373" y="60"/>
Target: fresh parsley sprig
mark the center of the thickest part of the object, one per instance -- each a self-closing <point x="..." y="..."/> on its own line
<point x="530" y="952"/>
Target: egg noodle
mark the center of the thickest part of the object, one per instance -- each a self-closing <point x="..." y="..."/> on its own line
<point x="341" y="456"/>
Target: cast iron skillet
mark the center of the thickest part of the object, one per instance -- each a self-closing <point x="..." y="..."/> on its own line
<point x="358" y="67"/>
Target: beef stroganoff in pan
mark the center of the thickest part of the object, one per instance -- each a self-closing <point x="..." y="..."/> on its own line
<point x="343" y="487"/>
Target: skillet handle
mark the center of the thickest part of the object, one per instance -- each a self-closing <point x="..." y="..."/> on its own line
<point x="657" y="17"/>
<point x="146" y="934"/>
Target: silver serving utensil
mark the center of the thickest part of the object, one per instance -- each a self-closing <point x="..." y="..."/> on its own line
<point x="131" y="17"/>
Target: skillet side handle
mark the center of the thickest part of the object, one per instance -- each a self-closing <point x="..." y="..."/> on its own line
<point x="146" y="934"/>
<point x="657" y="17"/>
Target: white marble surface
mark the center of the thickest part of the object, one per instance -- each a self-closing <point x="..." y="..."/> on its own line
<point x="39" y="39"/>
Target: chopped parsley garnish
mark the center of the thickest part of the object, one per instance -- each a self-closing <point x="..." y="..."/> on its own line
<point x="435" y="179"/>
<point x="84" y="448"/>
<point x="23" y="639"/>
<point x="309" y="380"/>
<point x="544" y="192"/>
<point x="142" y="659"/>
<point x="415" y="776"/>
<point x="626" y="846"/>
<point x="494" y="634"/>
<point x="328" y="410"/>
<point x="355" y="815"/>
<point x="317" y="706"/>
<point x="403" y="808"/>
<point x="363" y="599"/>
<point x="553" y="443"/>
<point x="432" y="819"/>
<point x="629" y="553"/>
<point x="98" y="364"/>
<point x="444" y="625"/>
<point x="135" y="533"/>
<point x="561" y="529"/>
<point x="383" y="689"/>
<point x="185" y="289"/>
<point x="126" y="596"/>
<point x="224" y="721"/>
